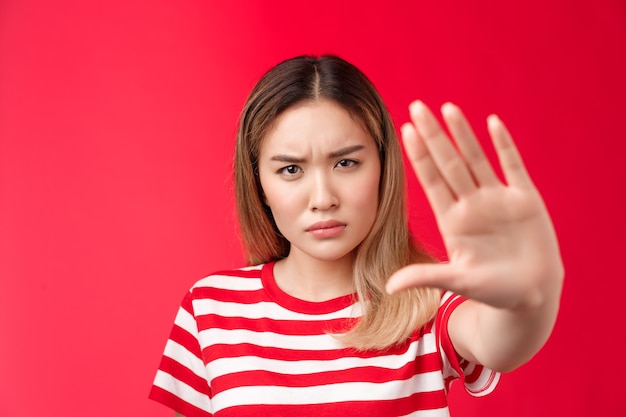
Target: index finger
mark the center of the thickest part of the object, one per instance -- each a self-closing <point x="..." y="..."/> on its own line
<point x="452" y="167"/>
<point x="513" y="168"/>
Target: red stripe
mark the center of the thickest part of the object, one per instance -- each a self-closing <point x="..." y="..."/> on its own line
<point x="186" y="339"/>
<point x="372" y="374"/>
<point x="443" y="337"/>
<point x="473" y="377"/>
<point x="458" y="364"/>
<point x="284" y="327"/>
<point x="244" y="349"/>
<point x="187" y="303"/>
<point x="170" y="400"/>
<point x="221" y="350"/>
<point x="184" y="374"/>
<point x="253" y="273"/>
<point x="230" y="296"/>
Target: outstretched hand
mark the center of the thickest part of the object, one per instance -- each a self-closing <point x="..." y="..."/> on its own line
<point x="500" y="241"/>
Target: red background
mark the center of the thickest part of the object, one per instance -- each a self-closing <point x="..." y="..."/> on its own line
<point x="117" y="123"/>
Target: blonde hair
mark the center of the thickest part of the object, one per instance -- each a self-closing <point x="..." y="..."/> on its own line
<point x="386" y="320"/>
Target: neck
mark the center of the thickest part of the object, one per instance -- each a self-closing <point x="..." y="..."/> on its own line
<point x="314" y="280"/>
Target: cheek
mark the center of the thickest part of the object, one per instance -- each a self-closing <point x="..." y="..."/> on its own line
<point x="281" y="201"/>
<point x="268" y="190"/>
<point x="367" y="198"/>
<point x="285" y="213"/>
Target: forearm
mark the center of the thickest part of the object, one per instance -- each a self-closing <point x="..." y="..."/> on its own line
<point x="503" y="339"/>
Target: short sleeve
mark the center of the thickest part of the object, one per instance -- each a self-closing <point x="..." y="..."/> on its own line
<point x="478" y="380"/>
<point x="181" y="382"/>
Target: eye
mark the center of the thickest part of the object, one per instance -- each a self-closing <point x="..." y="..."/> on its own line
<point x="347" y="163"/>
<point x="290" y="170"/>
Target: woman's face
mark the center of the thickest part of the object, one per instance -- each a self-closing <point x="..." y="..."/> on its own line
<point x="320" y="173"/>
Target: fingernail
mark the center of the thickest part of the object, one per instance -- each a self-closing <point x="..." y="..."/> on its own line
<point x="447" y="107"/>
<point x="492" y="118"/>
<point x="416" y="106"/>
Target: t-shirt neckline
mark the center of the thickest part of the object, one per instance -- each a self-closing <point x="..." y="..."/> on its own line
<point x="296" y="304"/>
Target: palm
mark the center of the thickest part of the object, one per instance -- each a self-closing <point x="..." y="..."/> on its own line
<point x="499" y="238"/>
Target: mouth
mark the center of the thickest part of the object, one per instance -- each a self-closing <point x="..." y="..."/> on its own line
<point x="326" y="229"/>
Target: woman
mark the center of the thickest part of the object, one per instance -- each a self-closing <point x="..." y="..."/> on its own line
<point x="339" y="311"/>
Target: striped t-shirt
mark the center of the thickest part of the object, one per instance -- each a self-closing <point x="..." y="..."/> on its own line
<point x="240" y="346"/>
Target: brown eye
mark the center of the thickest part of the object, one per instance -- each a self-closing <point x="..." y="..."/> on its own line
<point x="290" y="170"/>
<point x="347" y="163"/>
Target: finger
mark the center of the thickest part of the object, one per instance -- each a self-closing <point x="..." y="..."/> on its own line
<point x="435" y="188"/>
<point x="469" y="146"/>
<point x="510" y="160"/>
<point x="451" y="166"/>
<point x="441" y="276"/>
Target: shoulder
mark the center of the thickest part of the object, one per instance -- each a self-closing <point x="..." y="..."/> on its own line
<point x="228" y="285"/>
<point x="231" y="279"/>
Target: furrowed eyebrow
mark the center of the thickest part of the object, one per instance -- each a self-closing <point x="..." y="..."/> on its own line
<point x="346" y="151"/>
<point x="336" y="154"/>
<point x="287" y="158"/>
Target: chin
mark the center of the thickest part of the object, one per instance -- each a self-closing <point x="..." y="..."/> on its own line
<point x="327" y="256"/>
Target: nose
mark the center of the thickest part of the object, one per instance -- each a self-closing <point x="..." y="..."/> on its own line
<point x="323" y="195"/>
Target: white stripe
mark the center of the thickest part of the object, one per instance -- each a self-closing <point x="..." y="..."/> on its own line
<point x="329" y="393"/>
<point x="439" y="412"/>
<point x="224" y="366"/>
<point x="227" y="282"/>
<point x="214" y="336"/>
<point x="187" y="322"/>
<point x="183" y="356"/>
<point x="180" y="389"/>
<point x="485" y="384"/>
<point x="252" y="267"/>
<point x="469" y="368"/>
<point x="446" y="296"/>
<point x="264" y="310"/>
<point x="320" y="342"/>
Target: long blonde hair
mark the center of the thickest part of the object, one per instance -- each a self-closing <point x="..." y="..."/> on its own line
<point x="386" y="320"/>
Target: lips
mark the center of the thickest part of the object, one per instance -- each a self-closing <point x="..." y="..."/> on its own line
<point x="326" y="229"/>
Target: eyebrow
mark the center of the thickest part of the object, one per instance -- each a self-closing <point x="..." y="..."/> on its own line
<point x="338" y="153"/>
<point x="346" y="151"/>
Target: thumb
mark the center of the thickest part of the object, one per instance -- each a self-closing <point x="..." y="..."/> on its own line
<point x="442" y="276"/>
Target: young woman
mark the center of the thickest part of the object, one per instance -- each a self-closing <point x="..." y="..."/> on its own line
<point x="340" y="312"/>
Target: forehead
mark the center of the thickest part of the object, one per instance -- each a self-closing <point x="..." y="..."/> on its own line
<point x="321" y="125"/>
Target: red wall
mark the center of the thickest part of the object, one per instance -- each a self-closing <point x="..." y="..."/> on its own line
<point x="116" y="132"/>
